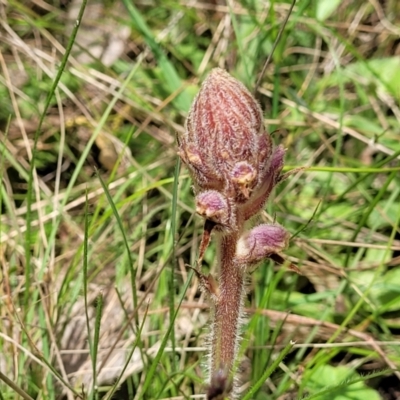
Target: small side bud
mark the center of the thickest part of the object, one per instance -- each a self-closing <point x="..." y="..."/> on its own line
<point x="260" y="243"/>
<point x="215" y="207"/>
<point x="244" y="176"/>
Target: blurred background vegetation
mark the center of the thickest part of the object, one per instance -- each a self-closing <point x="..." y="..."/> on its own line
<point x="97" y="223"/>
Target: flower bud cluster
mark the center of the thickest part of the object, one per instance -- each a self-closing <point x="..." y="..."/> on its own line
<point x="234" y="167"/>
<point x="233" y="163"/>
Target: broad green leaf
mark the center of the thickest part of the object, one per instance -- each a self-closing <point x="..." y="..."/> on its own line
<point x="335" y="383"/>
<point x="384" y="73"/>
<point x="386" y="291"/>
<point x="383" y="215"/>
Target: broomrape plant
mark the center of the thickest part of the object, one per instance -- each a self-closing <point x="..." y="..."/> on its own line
<point x="234" y="166"/>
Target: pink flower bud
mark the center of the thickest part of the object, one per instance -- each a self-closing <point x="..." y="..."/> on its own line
<point x="243" y="176"/>
<point x="215" y="207"/>
<point x="260" y="243"/>
<point x="222" y="138"/>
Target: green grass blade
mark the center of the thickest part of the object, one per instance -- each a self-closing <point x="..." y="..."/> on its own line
<point x="269" y="371"/>
<point x="132" y="269"/>
<point x="152" y="369"/>
<point x="172" y="274"/>
<point x="111" y="393"/>
<point x="171" y="77"/>
<point x="96" y="341"/>
<point x="14" y="387"/>
<point x="29" y="196"/>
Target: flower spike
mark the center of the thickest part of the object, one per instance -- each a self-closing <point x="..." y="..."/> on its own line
<point x="234" y="167"/>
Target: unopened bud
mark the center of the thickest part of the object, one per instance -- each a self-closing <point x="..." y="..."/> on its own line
<point x="224" y="126"/>
<point x="260" y="243"/>
<point x="244" y="176"/>
<point x="214" y="206"/>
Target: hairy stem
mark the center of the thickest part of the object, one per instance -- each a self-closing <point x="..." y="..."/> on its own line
<point x="228" y="308"/>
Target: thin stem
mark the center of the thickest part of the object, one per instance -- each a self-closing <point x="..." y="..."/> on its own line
<point x="14" y="387"/>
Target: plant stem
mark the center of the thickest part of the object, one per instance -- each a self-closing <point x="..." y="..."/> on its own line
<point x="234" y="166"/>
<point x="228" y="307"/>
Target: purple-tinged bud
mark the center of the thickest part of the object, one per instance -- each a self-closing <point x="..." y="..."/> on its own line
<point x="224" y="125"/>
<point x="215" y="207"/>
<point x="244" y="177"/>
<point x="224" y="117"/>
<point x="260" y="243"/>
